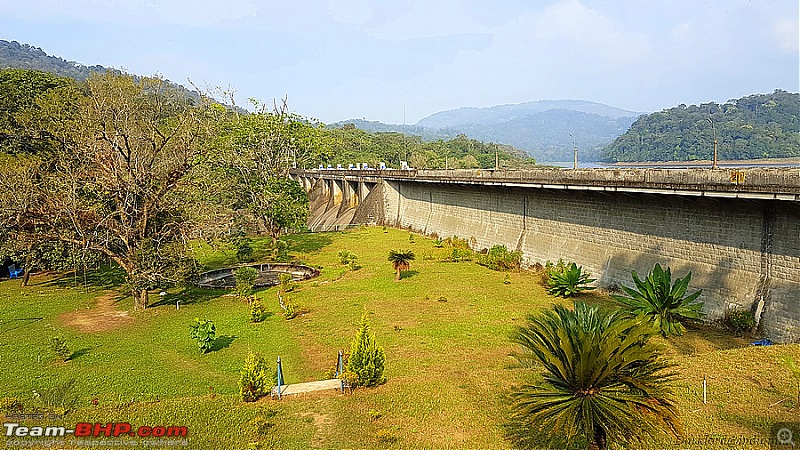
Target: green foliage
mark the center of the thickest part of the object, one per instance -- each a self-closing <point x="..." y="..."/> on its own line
<point x="11" y="405"/>
<point x="507" y="279"/>
<point x="367" y="358"/>
<point x="401" y="261"/>
<point x="499" y="258"/>
<point x="756" y="126"/>
<point x="568" y="282"/>
<point x="286" y="282"/>
<point x="256" y="378"/>
<point x="245" y="278"/>
<point x="58" y="399"/>
<point x="204" y="332"/>
<point x="603" y="381"/>
<point x="411" y="238"/>
<point x="257" y="311"/>
<point x="348" y="258"/>
<point x="438" y="242"/>
<point x="350" y="144"/>
<point x="739" y="321"/>
<point x="60" y="348"/>
<point x="290" y="310"/>
<point x="661" y="301"/>
<point x="456" y="242"/>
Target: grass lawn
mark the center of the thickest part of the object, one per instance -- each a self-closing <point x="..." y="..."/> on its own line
<point x="444" y="327"/>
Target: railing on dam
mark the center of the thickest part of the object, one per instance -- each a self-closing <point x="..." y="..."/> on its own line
<point x="749" y="183"/>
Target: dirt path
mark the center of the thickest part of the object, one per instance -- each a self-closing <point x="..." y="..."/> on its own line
<point x="103" y="316"/>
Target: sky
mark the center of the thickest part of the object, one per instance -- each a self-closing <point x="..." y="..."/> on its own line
<point x="398" y="61"/>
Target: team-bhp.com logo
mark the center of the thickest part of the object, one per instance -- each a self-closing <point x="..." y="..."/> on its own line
<point x="84" y="429"/>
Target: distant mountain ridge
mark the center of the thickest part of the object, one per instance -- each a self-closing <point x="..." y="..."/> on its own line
<point x="14" y="55"/>
<point x="546" y="129"/>
<point x="503" y="113"/>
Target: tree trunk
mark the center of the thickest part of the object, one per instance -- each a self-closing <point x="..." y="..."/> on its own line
<point x="140" y="299"/>
<point x="598" y="440"/>
<point x="28" y="262"/>
<point x="397" y="275"/>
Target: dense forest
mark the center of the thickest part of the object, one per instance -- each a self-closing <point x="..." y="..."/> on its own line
<point x="752" y="127"/>
<point x="350" y="145"/>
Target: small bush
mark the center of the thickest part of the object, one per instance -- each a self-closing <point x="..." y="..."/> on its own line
<point x="245" y="278"/>
<point x="499" y="258"/>
<point x="290" y="310"/>
<point x="11" y="405"/>
<point x="281" y="251"/>
<point x="58" y="399"/>
<point x="244" y="251"/>
<point x="204" y="332"/>
<point x="367" y="358"/>
<point x="374" y="415"/>
<point x="256" y="378"/>
<point x="570" y="282"/>
<point x="59" y="347"/>
<point x="456" y="242"/>
<point x="348" y="258"/>
<point x="386" y="436"/>
<point x="286" y="281"/>
<point x="507" y="279"/>
<point x="739" y="321"/>
<point x="257" y="311"/>
<point x="438" y="242"/>
<point x="411" y="238"/>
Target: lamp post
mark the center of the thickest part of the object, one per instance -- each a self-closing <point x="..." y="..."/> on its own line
<point x="714" y="130"/>
<point x="575" y="153"/>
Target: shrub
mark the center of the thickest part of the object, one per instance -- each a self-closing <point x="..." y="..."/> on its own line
<point x="569" y="282"/>
<point x="349" y="259"/>
<point x="58" y="399"/>
<point x="290" y="310"/>
<point x="244" y="251"/>
<point x="204" y="332"/>
<point x="507" y="279"/>
<point x="257" y="311"/>
<point x="245" y="279"/>
<point x="411" y="238"/>
<point x="281" y="250"/>
<point x="739" y="321"/>
<point x="286" y="282"/>
<point x="59" y="347"/>
<point x="660" y="300"/>
<point x="367" y="358"/>
<point x="456" y="242"/>
<point x="438" y="242"/>
<point x="499" y="258"/>
<point x="256" y="378"/>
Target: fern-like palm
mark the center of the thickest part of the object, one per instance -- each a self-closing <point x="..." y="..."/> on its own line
<point x="603" y="382"/>
<point x="569" y="282"/>
<point x="662" y="301"/>
<point x="401" y="260"/>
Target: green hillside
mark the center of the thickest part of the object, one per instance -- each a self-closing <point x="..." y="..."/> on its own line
<point x="757" y="126"/>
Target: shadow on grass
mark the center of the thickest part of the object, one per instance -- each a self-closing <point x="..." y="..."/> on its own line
<point x="78" y="353"/>
<point x="408" y="274"/>
<point x="189" y="296"/>
<point x="16" y="323"/>
<point x="307" y="242"/>
<point x="103" y="278"/>
<point x="222" y="342"/>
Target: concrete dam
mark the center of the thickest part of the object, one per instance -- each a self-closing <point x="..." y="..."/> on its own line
<point x="737" y="231"/>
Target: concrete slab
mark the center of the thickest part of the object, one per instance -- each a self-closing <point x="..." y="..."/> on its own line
<point x="313" y="386"/>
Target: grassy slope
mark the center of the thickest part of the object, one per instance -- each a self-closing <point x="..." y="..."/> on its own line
<point x="444" y="328"/>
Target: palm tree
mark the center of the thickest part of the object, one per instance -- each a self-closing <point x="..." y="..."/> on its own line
<point x="663" y="302"/>
<point x="603" y="381"/>
<point x="400" y="260"/>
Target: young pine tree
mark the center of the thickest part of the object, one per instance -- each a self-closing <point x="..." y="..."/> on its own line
<point x="367" y="358"/>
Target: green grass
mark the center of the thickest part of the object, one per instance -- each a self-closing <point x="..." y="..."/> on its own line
<point x="444" y="327"/>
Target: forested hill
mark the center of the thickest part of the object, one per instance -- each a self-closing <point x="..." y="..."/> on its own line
<point x="757" y="126"/>
<point x="14" y="55"/>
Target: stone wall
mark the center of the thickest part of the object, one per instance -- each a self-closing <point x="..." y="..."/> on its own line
<point x="738" y="251"/>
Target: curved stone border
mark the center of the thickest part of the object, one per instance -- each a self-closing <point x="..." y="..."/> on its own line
<point x="224" y="278"/>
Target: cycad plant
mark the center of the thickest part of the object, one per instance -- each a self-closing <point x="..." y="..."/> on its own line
<point x="401" y="261"/>
<point x="663" y="302"/>
<point x="603" y="381"/>
<point x="568" y="282"/>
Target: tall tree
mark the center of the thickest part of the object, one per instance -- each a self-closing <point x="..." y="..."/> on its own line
<point x="124" y="155"/>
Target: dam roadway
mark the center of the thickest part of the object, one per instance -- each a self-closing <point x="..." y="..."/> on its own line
<point x="736" y="230"/>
